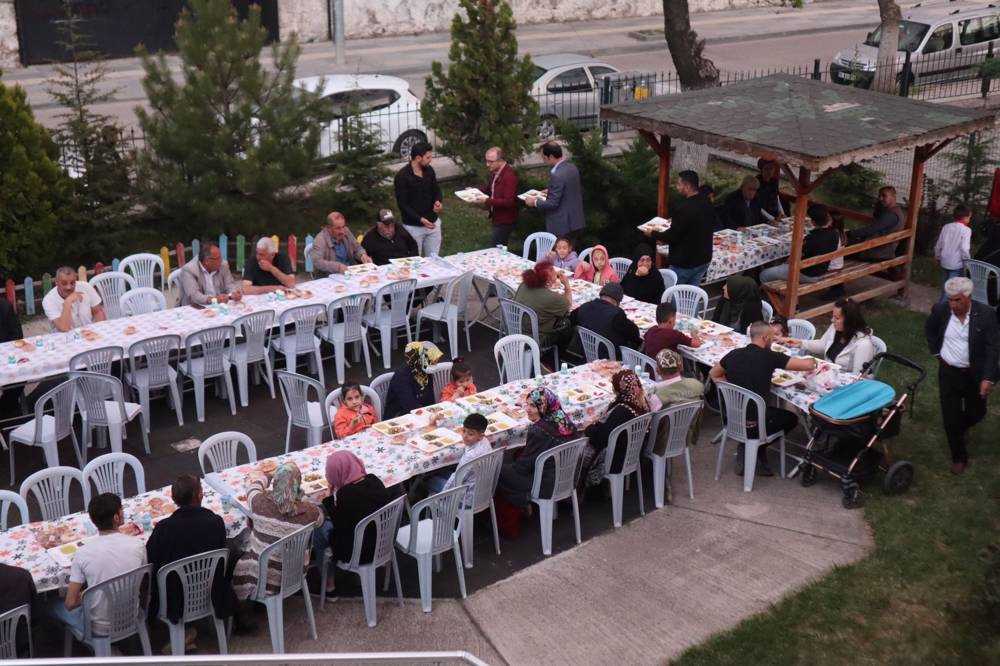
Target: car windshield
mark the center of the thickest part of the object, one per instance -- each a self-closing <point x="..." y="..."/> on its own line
<point x="361" y="100"/>
<point x="537" y="73"/>
<point x="910" y="35"/>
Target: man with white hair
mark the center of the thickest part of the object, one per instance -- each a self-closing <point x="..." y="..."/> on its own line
<point x="963" y="335"/>
<point x="267" y="270"/>
<point x="72" y="303"/>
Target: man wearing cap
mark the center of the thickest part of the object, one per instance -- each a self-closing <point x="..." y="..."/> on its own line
<point x="388" y="240"/>
<point x="604" y="316"/>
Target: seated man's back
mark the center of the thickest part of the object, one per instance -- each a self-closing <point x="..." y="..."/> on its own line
<point x="110" y="554"/>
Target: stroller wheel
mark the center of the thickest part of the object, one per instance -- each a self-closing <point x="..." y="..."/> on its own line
<point x="808" y="476"/>
<point x="852" y="498"/>
<point x="898" y="477"/>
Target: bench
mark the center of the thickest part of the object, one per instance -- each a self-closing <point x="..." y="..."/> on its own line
<point x="853" y="269"/>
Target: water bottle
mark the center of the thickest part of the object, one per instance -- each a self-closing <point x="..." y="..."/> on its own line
<point x="638" y="370"/>
<point x="564" y="368"/>
<point x="147" y="522"/>
<point x="11" y="360"/>
<point x="227" y="503"/>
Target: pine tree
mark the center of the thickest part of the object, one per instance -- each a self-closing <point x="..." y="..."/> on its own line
<point x="484" y="99"/>
<point x="361" y="177"/>
<point x="972" y="172"/>
<point x="223" y="146"/>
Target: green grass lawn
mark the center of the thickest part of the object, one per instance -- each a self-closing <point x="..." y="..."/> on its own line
<point x="918" y="598"/>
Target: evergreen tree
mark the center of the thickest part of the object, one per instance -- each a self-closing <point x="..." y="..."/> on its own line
<point x="971" y="173"/>
<point x="224" y="145"/>
<point x="484" y="99"/>
<point x="361" y="177"/>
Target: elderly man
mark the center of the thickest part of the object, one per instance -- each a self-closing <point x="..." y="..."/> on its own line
<point x="741" y="208"/>
<point x="886" y="218"/>
<point x="268" y="269"/>
<point x="563" y="200"/>
<point x="418" y="196"/>
<point x="501" y="199"/>
<point x="387" y="240"/>
<point x="964" y="336"/>
<point x="72" y="303"/>
<point x="335" y="248"/>
<point x="206" y="277"/>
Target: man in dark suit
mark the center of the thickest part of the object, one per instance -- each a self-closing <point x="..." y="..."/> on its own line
<point x="964" y="336"/>
<point x="604" y="316"/>
<point x="690" y="234"/>
<point x="563" y="202"/>
<point x="501" y="192"/>
<point x="741" y="208"/>
<point x="886" y="219"/>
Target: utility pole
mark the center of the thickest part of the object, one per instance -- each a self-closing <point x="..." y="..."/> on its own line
<point x="335" y="15"/>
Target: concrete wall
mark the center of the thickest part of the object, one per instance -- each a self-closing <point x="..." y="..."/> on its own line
<point x="8" y="35"/>
<point x="307" y="18"/>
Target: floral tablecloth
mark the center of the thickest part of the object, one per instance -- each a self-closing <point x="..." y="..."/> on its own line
<point x="48" y="355"/>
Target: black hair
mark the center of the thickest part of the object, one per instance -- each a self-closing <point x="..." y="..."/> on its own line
<point x="350" y="386"/>
<point x="665" y="311"/>
<point x="552" y="149"/>
<point x="820" y="214"/>
<point x="460" y="368"/>
<point x="184" y="489"/>
<point x="689" y="177"/>
<point x="565" y="239"/>
<point x="419" y="149"/>
<point x="778" y="320"/>
<point x="102" y="509"/>
<point x="475" y="421"/>
<point x="961" y="211"/>
<point x="854" y="320"/>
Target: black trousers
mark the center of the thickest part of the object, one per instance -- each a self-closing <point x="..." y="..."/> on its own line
<point x="501" y="233"/>
<point x="775" y="419"/>
<point x="961" y="406"/>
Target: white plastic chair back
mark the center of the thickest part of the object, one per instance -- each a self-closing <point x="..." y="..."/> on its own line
<point x="767" y="311"/>
<point x="295" y="394"/>
<point x="8" y="499"/>
<point x="502" y="289"/>
<point x="51" y="488"/>
<point x="400" y="297"/>
<point x="443" y="508"/>
<point x="304" y="318"/>
<point x="584" y="255"/>
<point x="142" y="300"/>
<point x="126" y="598"/>
<point x="593" y="343"/>
<point x="482" y="474"/>
<point x="100" y="360"/>
<point x="879" y="345"/>
<point x="223" y="451"/>
<point x="9" y="624"/>
<point x="979" y="273"/>
<point x="154" y="354"/>
<point x="519" y="319"/>
<point x="517" y="357"/>
<point x="538" y="245"/>
<point x="94" y="390"/>
<point x="255" y="328"/>
<point x="174" y="282"/>
<point x="635" y="430"/>
<point x="621" y="266"/>
<point x="143" y="268"/>
<point x="197" y="576"/>
<point x="212" y="344"/>
<point x="566" y="458"/>
<point x="801" y="329"/>
<point x="381" y="386"/>
<point x="440" y="376"/>
<point x="290" y="551"/>
<point x="107" y="473"/>
<point x="386" y="521"/>
<point x="334" y="399"/>
<point x="61" y="401"/>
<point x="735" y="400"/>
<point x="690" y="301"/>
<point x="462" y="289"/>
<point x="632" y="358"/>
<point x="352" y="309"/>
<point x="111" y="286"/>
<point x="678" y="418"/>
<point x="669" y="279"/>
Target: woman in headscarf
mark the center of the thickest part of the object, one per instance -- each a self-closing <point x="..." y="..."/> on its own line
<point x="597" y="267"/>
<point x="740" y="304"/>
<point x="643" y="281"/>
<point x="628" y="403"/>
<point x="411" y="387"/>
<point x="277" y="512"/>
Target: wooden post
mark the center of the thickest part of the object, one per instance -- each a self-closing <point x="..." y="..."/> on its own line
<point x="795" y="258"/>
<point x="920" y="156"/>
<point x="663" y="185"/>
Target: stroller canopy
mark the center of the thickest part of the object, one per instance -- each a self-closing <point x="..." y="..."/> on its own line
<point x="855" y="400"/>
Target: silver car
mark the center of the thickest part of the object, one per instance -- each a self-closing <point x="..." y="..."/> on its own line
<point x="567" y="87"/>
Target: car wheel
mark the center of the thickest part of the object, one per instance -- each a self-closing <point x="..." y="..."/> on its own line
<point x="547" y="128"/>
<point x="406" y="141"/>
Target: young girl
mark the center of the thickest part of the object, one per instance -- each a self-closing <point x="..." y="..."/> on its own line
<point x="354" y="414"/>
<point x="461" y="384"/>
<point x="598" y="269"/>
<point x="563" y="255"/>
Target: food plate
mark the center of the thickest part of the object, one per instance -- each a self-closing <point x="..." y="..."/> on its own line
<point x="706" y="327"/>
<point x="499" y="422"/>
<point x="445" y="410"/>
<point x="582" y="395"/>
<point x="63" y="555"/>
<point x="89" y="335"/>
<point x="360" y="269"/>
<point x="21" y="344"/>
<point x="406" y="262"/>
<point x="531" y="193"/>
<point x="51" y="535"/>
<point x="655" y="224"/>
<point x="397" y="426"/>
<point x="484" y="399"/>
<point x="267" y="466"/>
<point x="439" y="438"/>
<point x="781" y="349"/>
<point x="313" y="483"/>
<point x="784" y="378"/>
<point x="471" y="195"/>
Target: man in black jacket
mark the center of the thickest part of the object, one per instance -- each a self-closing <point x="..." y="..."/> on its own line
<point x="741" y="208"/>
<point x="886" y="219"/>
<point x="690" y="233"/>
<point x="604" y="316"/>
<point x="822" y="239"/>
<point x="418" y="196"/>
<point x="388" y="240"/>
<point x="964" y="336"/>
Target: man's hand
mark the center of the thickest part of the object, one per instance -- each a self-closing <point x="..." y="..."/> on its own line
<point x="427" y="223"/>
<point x="365" y="259"/>
<point x="437" y="206"/>
<point x="530" y="201"/>
<point x="266" y="265"/>
<point x="647" y="232"/>
<point x="985" y="387"/>
<point x="563" y="278"/>
<point x="236" y="296"/>
<point x="75" y="297"/>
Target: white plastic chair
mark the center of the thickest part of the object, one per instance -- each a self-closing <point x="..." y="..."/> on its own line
<point x="426" y="539"/>
<point x="254" y="328"/>
<point x="440" y="374"/>
<point x="980" y="272"/>
<point x="736" y="399"/>
<point x="51" y="488"/>
<point x="174" y="284"/>
<point x="387" y="317"/>
<point x="303" y="412"/>
<point x="107" y="473"/>
<point x="350" y="330"/>
<point x="142" y="300"/>
<point x="101" y="360"/>
<point x="127" y="599"/>
<point x="150" y="368"/>
<point x="8" y="499"/>
<point x="381" y="386"/>
<point x="635" y="431"/>
<point x="801" y="329"/>
<point x="9" y="625"/>
<point x="691" y="301"/>
<point x="111" y="286"/>
<point x="677" y="419"/>
<point x="584" y="254"/>
<point x="208" y="356"/>
<point x="767" y="311"/>
<point x="566" y="458"/>
<point x="143" y="268"/>
<point x="880" y="348"/>
<point x="197" y="577"/>
<point x="333" y="399"/>
<point x="291" y="552"/>
<point x="541" y="242"/>
<point x="517" y="358"/>
<point x="452" y="307"/>
<point x="483" y="474"/>
<point x="386" y="522"/>
<point x="46" y="431"/>
<point x="669" y="279"/>
<point x="522" y="319"/>
<point x="502" y="289"/>
<point x="303" y="342"/>
<point x="222" y="451"/>
<point x="631" y="358"/>
<point x="105" y="407"/>
<point x="621" y="266"/>
<point x="593" y="343"/>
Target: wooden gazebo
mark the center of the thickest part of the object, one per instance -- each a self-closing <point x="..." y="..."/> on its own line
<point x="817" y="127"/>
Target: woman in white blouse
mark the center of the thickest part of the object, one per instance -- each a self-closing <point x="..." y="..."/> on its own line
<point x="848" y="340"/>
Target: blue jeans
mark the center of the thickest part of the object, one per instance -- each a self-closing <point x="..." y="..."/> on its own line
<point x="73" y="619"/>
<point x="435" y="483"/>
<point x="780" y="272"/>
<point x="692" y="276"/>
<point x="949" y="273"/>
<point x="321" y="541"/>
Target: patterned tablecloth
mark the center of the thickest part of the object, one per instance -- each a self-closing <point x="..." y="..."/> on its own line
<point x="48" y="355"/>
<point x="45" y="548"/>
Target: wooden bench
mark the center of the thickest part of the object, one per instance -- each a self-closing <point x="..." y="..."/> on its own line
<point x="853" y="269"/>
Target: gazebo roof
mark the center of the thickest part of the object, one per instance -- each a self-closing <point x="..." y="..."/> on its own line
<point x="798" y="120"/>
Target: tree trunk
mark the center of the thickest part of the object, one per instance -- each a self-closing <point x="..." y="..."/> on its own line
<point x="693" y="69"/>
<point x="888" y="47"/>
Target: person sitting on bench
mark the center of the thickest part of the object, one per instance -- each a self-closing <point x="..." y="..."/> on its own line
<point x="888" y="218"/>
<point x="822" y="239"/>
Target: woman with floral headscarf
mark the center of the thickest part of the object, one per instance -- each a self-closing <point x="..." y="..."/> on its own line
<point x="411" y="387"/>
<point x="628" y="403"/>
<point x="276" y="513"/>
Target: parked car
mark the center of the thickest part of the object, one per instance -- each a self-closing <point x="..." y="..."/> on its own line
<point x="566" y="87"/>
<point x="944" y="43"/>
<point x="384" y="102"/>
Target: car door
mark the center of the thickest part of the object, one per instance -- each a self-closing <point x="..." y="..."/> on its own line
<point x="935" y="54"/>
<point x="573" y="96"/>
<point x="974" y="36"/>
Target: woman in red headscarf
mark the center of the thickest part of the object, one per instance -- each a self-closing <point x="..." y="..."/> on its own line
<point x="552" y="308"/>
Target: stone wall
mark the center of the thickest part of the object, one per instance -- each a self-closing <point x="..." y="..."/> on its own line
<point x="8" y="35"/>
<point x="307" y="18"/>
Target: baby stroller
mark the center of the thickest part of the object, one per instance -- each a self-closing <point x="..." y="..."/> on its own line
<point x="846" y="425"/>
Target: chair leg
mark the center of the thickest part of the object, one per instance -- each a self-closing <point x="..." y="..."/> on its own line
<point x="176" y="638"/>
<point x="687" y="465"/>
<point x="453" y="336"/>
<point x="145" y="437"/>
<point x="228" y="379"/>
<point x="115" y="435"/>
<point x="576" y="515"/>
<point x="144" y="403"/>
<point x="102" y="646"/>
<point x="338" y="354"/>
<point x="288" y="435"/>
<point x="199" y="397"/>
<point x="722" y="451"/>
<point x="269" y="375"/>
<point x="617" y="497"/>
<point x="545" y="523"/>
<point x="639" y="490"/>
<point x="324" y="570"/>
<point x="496" y="533"/>
<point x="242" y="380"/>
<point x="178" y="404"/>
<point x="309" y="610"/>
<point x="220" y="633"/>
<point x="143" y="632"/>
<point x="276" y="623"/>
<point x="76" y="448"/>
<point x="367" y="575"/>
<point x="467" y="518"/>
<point x="319" y="366"/>
<point x="457" y="550"/>
<point x="399" y="581"/>
<point x="385" y="333"/>
<point x="781" y="440"/>
<point x="749" y="465"/>
<point x="425" y="573"/>
<point x="10" y="449"/>
<point x="659" y="479"/>
<point x="368" y="358"/>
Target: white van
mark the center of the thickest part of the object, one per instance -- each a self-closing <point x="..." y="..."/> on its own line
<point x="945" y="44"/>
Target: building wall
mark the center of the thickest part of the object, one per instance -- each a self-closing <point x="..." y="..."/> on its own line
<point x="8" y="35"/>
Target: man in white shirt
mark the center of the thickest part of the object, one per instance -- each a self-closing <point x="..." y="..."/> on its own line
<point x="952" y="247"/>
<point x="476" y="445"/>
<point x="71" y="303"/>
<point x="110" y="554"/>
